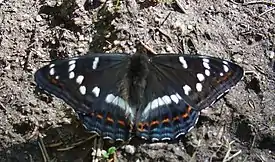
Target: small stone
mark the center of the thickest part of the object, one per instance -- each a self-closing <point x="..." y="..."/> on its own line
<point x="81" y="37"/>
<point x="116" y="42"/>
<point x="270" y="54"/>
<point x="130" y="149"/>
<point x="38" y="18"/>
<point x="189" y="27"/>
<point x="169" y="49"/>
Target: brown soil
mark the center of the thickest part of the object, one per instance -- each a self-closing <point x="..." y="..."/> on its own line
<point x="239" y="127"/>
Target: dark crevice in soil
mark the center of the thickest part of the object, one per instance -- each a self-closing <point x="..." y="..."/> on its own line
<point x="267" y="142"/>
<point x="254" y="84"/>
<point x="103" y="28"/>
<point x="61" y="15"/>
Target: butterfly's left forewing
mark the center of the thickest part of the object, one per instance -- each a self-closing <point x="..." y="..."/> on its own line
<point x="180" y="86"/>
<point x="90" y="85"/>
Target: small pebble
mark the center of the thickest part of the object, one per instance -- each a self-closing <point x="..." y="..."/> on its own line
<point x="38" y="18"/>
<point x="270" y="54"/>
<point x="116" y="42"/>
<point x="130" y="149"/>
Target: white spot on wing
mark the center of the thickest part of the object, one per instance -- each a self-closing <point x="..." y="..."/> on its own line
<point x="166" y="99"/>
<point x="221" y="74"/>
<point x="165" y="138"/>
<point x="109" y="98"/>
<point x="52" y="71"/>
<point x="57" y="77"/>
<point x="207" y="72"/>
<point x="182" y="133"/>
<point x="200" y="77"/>
<point x="154" y="104"/>
<point x="79" y="79"/>
<point x="95" y="63"/>
<point x="175" y="98"/>
<point x="52" y="65"/>
<point x="71" y="62"/>
<point x="96" y="91"/>
<point x="225" y="68"/>
<point x="160" y="101"/>
<point x="183" y="62"/>
<point x="71" y="67"/>
<point x="179" y="97"/>
<point x="186" y="89"/>
<point x="199" y="87"/>
<point x="205" y="60"/>
<point x="107" y="138"/>
<point x="118" y="101"/>
<point x="225" y="62"/>
<point x="82" y="90"/>
<point x="206" y="65"/>
<point x="155" y="139"/>
<point x="71" y="75"/>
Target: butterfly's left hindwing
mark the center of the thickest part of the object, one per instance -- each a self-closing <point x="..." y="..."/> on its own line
<point x="90" y="85"/>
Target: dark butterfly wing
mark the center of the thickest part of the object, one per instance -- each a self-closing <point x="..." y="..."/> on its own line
<point x="182" y="85"/>
<point x="90" y="85"/>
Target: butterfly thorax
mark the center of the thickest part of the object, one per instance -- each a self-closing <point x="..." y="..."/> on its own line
<point x="135" y="81"/>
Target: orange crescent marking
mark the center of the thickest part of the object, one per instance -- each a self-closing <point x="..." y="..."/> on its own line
<point x="166" y="120"/>
<point x="176" y="118"/>
<point x="121" y="122"/>
<point x="99" y="116"/>
<point x="154" y="122"/>
<point x="185" y="115"/>
<point x="189" y="109"/>
<point x="140" y="127"/>
<point x="110" y="120"/>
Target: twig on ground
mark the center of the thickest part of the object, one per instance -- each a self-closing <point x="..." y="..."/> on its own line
<point x="3" y="107"/>
<point x="251" y="103"/>
<point x="165" y="34"/>
<point x="165" y="19"/>
<point x="54" y="144"/>
<point x="97" y="153"/>
<point x="252" y="72"/>
<point x="180" y="6"/>
<point x="35" y="130"/>
<point x="148" y="48"/>
<point x="43" y="150"/>
<point x="258" y="2"/>
<point x="227" y="156"/>
<point x="76" y="144"/>
<point x="269" y="10"/>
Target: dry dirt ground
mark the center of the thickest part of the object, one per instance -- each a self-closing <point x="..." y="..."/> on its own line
<point x="238" y="127"/>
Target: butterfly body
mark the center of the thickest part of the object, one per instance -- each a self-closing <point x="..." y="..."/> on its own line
<point x="156" y="98"/>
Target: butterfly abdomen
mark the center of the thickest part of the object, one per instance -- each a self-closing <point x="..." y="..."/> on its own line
<point x="136" y="78"/>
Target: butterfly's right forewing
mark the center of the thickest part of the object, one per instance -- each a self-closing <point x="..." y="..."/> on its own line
<point x="90" y="85"/>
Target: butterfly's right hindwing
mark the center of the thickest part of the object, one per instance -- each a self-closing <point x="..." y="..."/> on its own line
<point x="90" y="85"/>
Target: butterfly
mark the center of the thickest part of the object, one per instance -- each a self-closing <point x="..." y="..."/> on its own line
<point x="155" y="97"/>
